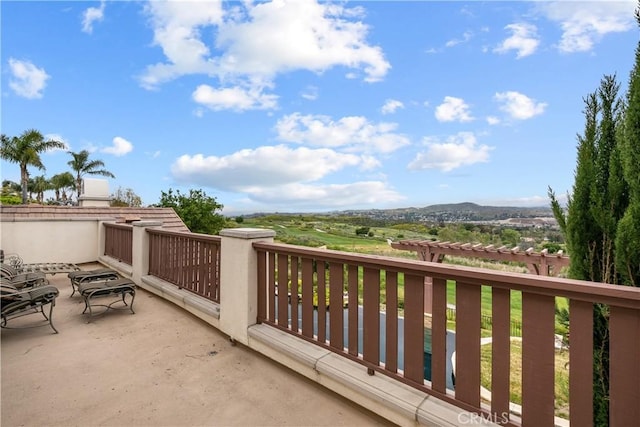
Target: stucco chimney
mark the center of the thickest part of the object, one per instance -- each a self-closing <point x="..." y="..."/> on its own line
<point x="94" y="192"/>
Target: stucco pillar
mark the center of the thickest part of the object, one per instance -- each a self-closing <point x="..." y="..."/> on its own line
<point x="238" y="280"/>
<point x="140" y="249"/>
<point x="101" y="237"/>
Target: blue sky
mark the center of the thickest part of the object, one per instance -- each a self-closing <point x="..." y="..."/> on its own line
<point x="300" y="105"/>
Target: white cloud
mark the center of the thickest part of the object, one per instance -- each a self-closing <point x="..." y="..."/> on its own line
<point x="453" y="109"/>
<point x="57" y="137"/>
<point x="234" y="98"/>
<point x="91" y="15"/>
<point x="177" y="29"/>
<point x="266" y="166"/>
<point x="310" y="36"/>
<point x="457" y="150"/>
<point x="524" y="40"/>
<point x="465" y="38"/>
<point x="282" y="176"/>
<point x="492" y="120"/>
<point x="119" y="147"/>
<point x="27" y="80"/>
<point x="90" y="147"/>
<point x="369" y="163"/>
<point x="391" y="106"/>
<point x="310" y="93"/>
<point x="354" y="133"/>
<point x="585" y="23"/>
<point x="330" y="196"/>
<point x="519" y="106"/>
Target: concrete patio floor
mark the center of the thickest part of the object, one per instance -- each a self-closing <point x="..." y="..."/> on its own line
<point x="161" y="366"/>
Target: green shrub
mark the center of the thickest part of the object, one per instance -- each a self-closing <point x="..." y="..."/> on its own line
<point x="10" y="199"/>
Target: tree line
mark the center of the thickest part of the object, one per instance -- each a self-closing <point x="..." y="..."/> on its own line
<point x="25" y="151"/>
<point x="196" y="209"/>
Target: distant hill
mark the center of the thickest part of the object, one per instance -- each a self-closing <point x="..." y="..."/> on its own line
<point x="454" y="212"/>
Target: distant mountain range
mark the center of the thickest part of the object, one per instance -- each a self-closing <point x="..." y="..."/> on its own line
<point x="454" y="212"/>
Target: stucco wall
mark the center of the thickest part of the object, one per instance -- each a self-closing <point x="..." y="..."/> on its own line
<point x="51" y="240"/>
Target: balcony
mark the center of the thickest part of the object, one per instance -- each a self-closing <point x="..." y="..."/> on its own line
<point x="360" y="325"/>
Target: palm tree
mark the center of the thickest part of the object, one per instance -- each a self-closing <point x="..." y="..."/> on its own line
<point x="31" y="188"/>
<point x="40" y="185"/>
<point x="81" y="165"/>
<point x="60" y="182"/>
<point x="25" y="151"/>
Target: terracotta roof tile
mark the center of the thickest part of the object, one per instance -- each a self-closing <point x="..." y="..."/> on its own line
<point x="170" y="220"/>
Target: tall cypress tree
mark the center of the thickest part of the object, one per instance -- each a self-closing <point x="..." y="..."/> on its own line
<point x="602" y="221"/>
<point x="628" y="233"/>
<point x="576" y="224"/>
<point x="600" y="194"/>
<point x="594" y="210"/>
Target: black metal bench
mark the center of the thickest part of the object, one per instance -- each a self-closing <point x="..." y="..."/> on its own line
<point x="119" y="288"/>
<point x="85" y="276"/>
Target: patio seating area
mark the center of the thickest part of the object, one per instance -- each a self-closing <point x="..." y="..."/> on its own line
<point x="161" y="366"/>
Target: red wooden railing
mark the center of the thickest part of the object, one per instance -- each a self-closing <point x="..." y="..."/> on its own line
<point x="189" y="260"/>
<point x="118" y="242"/>
<point x="396" y="287"/>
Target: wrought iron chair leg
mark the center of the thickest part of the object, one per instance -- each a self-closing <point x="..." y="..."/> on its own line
<point x="50" y="319"/>
<point x="133" y="296"/>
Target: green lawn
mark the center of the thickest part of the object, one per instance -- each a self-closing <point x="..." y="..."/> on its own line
<point x="333" y="235"/>
<point x="561" y="376"/>
<point x="516" y="302"/>
<point x="343" y="237"/>
<point x="516" y="299"/>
